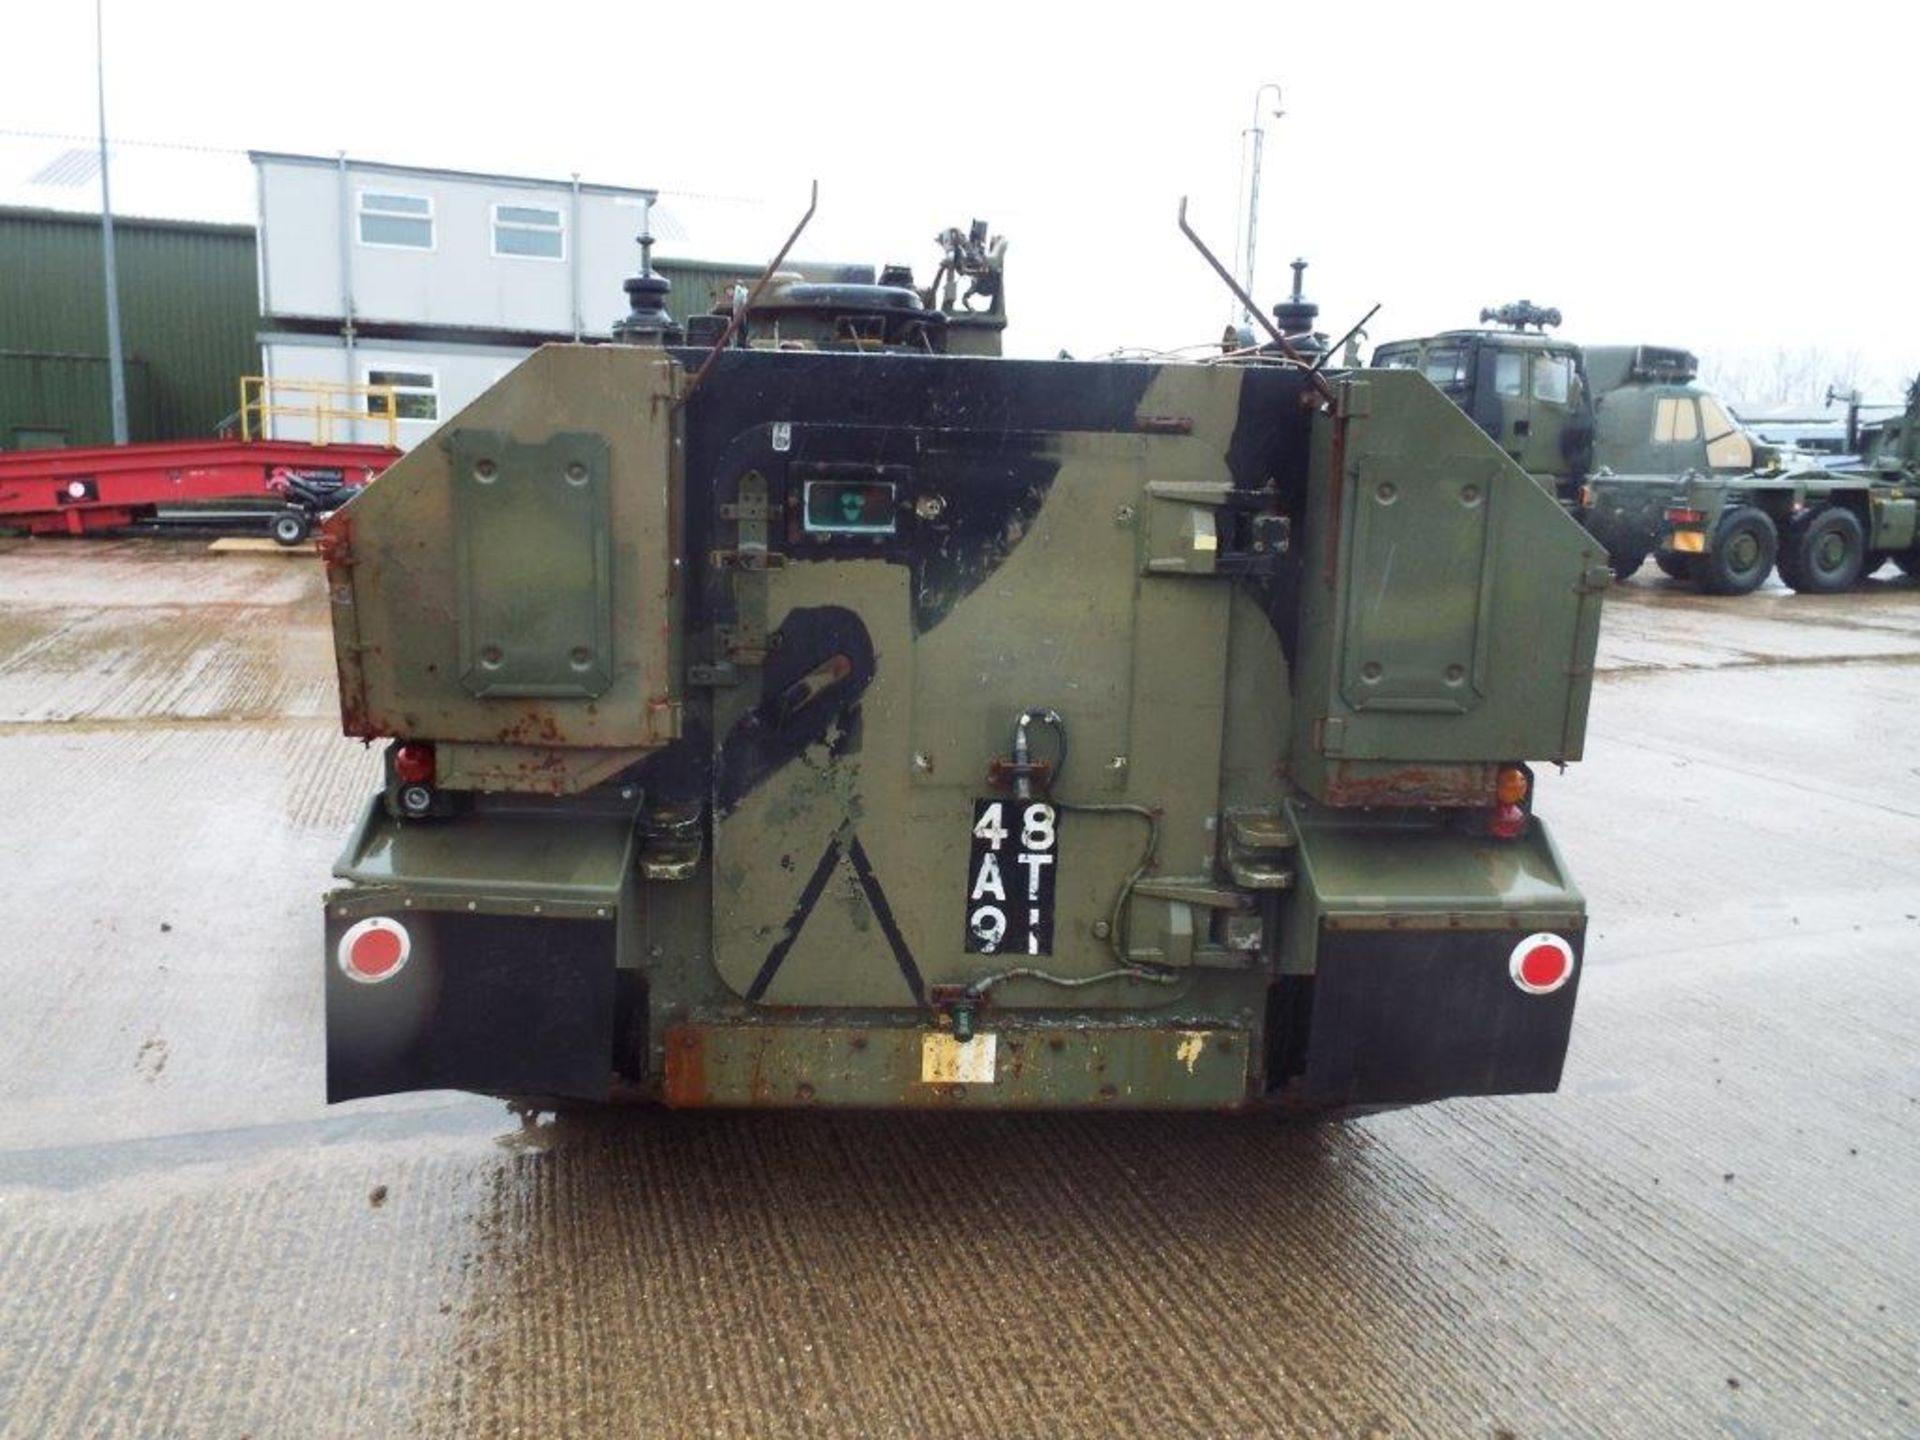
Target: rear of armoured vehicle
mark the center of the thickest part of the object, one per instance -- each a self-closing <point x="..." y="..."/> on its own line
<point x="858" y="726"/>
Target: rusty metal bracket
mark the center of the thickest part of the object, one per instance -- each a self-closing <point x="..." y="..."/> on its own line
<point x="1005" y="774"/>
<point x="747" y="560"/>
<point x="745" y="644"/>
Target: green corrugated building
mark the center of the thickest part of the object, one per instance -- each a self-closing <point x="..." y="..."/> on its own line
<point x="189" y="313"/>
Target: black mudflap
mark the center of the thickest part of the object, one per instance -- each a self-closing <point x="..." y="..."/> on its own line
<point x="1399" y="1017"/>
<point x="502" y="1004"/>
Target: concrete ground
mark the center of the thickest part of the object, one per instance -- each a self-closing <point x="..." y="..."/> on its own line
<point x="1712" y="1230"/>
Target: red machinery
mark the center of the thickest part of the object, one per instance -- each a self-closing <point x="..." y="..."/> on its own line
<point x="101" y="486"/>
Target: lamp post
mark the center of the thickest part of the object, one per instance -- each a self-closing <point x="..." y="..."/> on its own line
<point x="1253" y="140"/>
<point x="116" y="367"/>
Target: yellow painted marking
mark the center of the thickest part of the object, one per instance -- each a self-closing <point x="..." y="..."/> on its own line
<point x="945" y="1061"/>
<point x="1192" y="1042"/>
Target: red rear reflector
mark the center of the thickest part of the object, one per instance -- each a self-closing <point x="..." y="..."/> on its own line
<point x="1685" y="517"/>
<point x="1541" y="964"/>
<point x="373" y="950"/>
<point x="413" y="763"/>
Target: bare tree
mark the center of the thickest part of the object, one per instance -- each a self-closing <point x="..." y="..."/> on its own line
<point x="1789" y="376"/>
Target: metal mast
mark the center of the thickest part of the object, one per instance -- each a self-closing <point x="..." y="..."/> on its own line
<point x="1253" y="141"/>
<point x="116" y="369"/>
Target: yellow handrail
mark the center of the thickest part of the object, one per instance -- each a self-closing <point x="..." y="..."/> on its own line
<point x="321" y="402"/>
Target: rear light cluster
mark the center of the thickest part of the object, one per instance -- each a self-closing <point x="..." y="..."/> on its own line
<point x="1541" y="964"/>
<point x="373" y="950"/>
<point x="1511" y="788"/>
<point x="414" y="768"/>
<point x="413" y="763"/>
<point x="1681" y="515"/>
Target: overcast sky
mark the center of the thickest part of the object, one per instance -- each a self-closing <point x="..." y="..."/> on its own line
<point x="1732" y="178"/>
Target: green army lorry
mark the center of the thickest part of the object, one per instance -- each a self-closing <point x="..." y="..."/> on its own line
<point x="1611" y="429"/>
<point x="836" y="713"/>
<point x="1825" y="527"/>
<point x="1527" y="389"/>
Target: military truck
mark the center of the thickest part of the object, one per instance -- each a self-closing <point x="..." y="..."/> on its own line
<point x="837" y="713"/>
<point x="1826" y="527"/>
<point x="1611" y="429"/>
<point x="1527" y="389"/>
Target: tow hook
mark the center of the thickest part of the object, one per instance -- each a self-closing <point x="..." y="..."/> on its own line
<point x="1023" y="772"/>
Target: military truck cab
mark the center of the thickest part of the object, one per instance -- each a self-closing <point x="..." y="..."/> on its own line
<point x="1655" y="427"/>
<point x="1652" y="416"/>
<point x="1825" y="527"/>
<point x="1526" y="389"/>
<point x="1611" y="429"/>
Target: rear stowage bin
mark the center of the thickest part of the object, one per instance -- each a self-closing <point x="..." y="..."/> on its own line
<point x="1408" y="953"/>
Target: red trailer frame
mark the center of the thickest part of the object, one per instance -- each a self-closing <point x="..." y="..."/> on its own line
<point x="97" y="487"/>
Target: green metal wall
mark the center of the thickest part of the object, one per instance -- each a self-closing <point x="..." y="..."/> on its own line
<point x="64" y="399"/>
<point x="189" y="309"/>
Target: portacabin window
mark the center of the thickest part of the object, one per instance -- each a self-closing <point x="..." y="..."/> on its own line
<point x="399" y="222"/>
<point x="416" y="394"/>
<point x="529" y="232"/>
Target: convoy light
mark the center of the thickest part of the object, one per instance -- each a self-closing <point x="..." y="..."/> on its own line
<point x="1511" y="785"/>
<point x="413" y="763"/>
<point x="373" y="950"/>
<point x="1541" y="964"/>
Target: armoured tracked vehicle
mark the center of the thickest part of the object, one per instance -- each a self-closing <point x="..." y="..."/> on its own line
<point x="820" y="716"/>
<point x="1611" y="429"/>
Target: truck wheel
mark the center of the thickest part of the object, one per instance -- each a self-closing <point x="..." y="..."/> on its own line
<point x="1828" y="547"/>
<point x="1625" y="562"/>
<point x="1673" y="564"/>
<point x="290" y="526"/>
<point x="1740" y="555"/>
